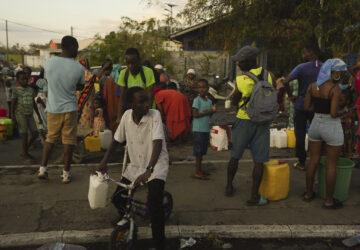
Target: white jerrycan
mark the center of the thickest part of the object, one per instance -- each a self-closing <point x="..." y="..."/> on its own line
<point x="105" y="138"/>
<point x="283" y="138"/>
<point x="272" y="137"/>
<point x="98" y="190"/>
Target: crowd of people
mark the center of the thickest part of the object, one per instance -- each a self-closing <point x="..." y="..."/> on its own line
<point x="146" y="110"/>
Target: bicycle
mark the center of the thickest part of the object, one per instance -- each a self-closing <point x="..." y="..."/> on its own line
<point x="124" y="235"/>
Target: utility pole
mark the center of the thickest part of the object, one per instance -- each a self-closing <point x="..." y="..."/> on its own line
<point x="321" y="37"/>
<point x="171" y="15"/>
<point x="72" y="31"/>
<point x="7" y="41"/>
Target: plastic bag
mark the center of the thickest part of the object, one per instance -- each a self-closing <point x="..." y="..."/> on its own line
<point x="187" y="243"/>
<point x="61" y="246"/>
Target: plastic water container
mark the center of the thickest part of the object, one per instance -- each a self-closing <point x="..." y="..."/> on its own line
<point x="97" y="87"/>
<point x="98" y="190"/>
<point x="9" y="126"/>
<point x="3" y="136"/>
<point x="306" y="142"/>
<point x="105" y="138"/>
<point x="272" y="137"/>
<point x="281" y="139"/>
<point x="3" y="112"/>
<point x="271" y="163"/>
<point x="275" y="183"/>
<point x="92" y="143"/>
<point x="344" y="169"/>
<point x="228" y="104"/>
<point x="291" y="139"/>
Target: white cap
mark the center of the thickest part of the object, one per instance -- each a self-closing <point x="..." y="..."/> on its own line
<point x="191" y="71"/>
<point x="158" y="66"/>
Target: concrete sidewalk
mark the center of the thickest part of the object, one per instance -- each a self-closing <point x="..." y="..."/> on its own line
<point x="31" y="205"/>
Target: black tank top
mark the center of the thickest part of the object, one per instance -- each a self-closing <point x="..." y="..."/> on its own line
<point x="322" y="105"/>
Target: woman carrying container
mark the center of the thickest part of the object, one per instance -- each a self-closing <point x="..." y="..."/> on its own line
<point x="322" y="98"/>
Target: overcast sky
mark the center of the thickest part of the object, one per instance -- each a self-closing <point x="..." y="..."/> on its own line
<point x="88" y="17"/>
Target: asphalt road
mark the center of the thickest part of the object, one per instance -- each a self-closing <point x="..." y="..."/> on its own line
<point x="215" y="243"/>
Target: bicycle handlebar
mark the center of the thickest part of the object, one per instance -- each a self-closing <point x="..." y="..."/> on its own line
<point x="128" y="187"/>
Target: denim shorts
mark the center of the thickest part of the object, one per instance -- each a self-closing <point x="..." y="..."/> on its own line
<point x="201" y="143"/>
<point x="246" y="133"/>
<point x="325" y="128"/>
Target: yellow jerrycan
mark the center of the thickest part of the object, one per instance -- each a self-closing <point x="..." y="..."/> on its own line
<point x="291" y="139"/>
<point x="93" y="143"/>
<point x="275" y="183"/>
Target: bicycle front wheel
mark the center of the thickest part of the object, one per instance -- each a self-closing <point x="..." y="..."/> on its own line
<point x="122" y="238"/>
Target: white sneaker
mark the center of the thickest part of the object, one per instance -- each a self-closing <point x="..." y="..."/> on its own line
<point x="43" y="174"/>
<point x="65" y="177"/>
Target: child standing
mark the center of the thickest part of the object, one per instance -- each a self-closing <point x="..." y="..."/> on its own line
<point x="203" y="108"/>
<point x="347" y="115"/>
<point x="8" y="93"/>
<point x="22" y="107"/>
<point x="99" y="122"/>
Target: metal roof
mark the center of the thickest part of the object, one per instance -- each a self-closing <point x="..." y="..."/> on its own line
<point x="192" y="28"/>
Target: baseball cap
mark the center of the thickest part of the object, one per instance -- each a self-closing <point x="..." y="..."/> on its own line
<point x="246" y="52"/>
<point x="191" y="71"/>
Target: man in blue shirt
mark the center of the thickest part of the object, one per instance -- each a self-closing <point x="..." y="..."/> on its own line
<point x="64" y="77"/>
<point x="306" y="73"/>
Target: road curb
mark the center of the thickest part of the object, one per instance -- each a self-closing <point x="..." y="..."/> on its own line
<point x="118" y="163"/>
<point x="224" y="231"/>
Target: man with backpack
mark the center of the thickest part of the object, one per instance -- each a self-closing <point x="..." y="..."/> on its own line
<point x="257" y="101"/>
<point x="135" y="75"/>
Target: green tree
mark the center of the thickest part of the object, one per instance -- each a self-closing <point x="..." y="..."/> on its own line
<point x="279" y="24"/>
<point x="147" y="36"/>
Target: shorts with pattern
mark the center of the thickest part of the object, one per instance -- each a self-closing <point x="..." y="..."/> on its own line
<point x="64" y="125"/>
<point x="25" y="123"/>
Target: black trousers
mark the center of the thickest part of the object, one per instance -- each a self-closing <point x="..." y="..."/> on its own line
<point x="155" y="200"/>
<point x="300" y="120"/>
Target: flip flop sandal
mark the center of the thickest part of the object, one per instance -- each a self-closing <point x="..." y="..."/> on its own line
<point x="336" y="205"/>
<point x="201" y="177"/>
<point x="205" y="174"/>
<point x="313" y="196"/>
<point x="253" y="202"/>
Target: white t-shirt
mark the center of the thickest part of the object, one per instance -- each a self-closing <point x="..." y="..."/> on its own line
<point x="62" y="75"/>
<point x="139" y="139"/>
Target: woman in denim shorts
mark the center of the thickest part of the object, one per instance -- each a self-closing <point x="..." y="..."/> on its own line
<point x="323" y="98"/>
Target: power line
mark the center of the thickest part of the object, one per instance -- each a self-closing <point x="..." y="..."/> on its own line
<point x="38" y="28"/>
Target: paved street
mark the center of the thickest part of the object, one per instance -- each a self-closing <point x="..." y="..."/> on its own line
<point x="31" y="205"/>
<point x="248" y="244"/>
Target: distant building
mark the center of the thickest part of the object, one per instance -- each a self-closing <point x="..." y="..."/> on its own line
<point x="54" y="50"/>
<point x="55" y="44"/>
<point x="170" y="45"/>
